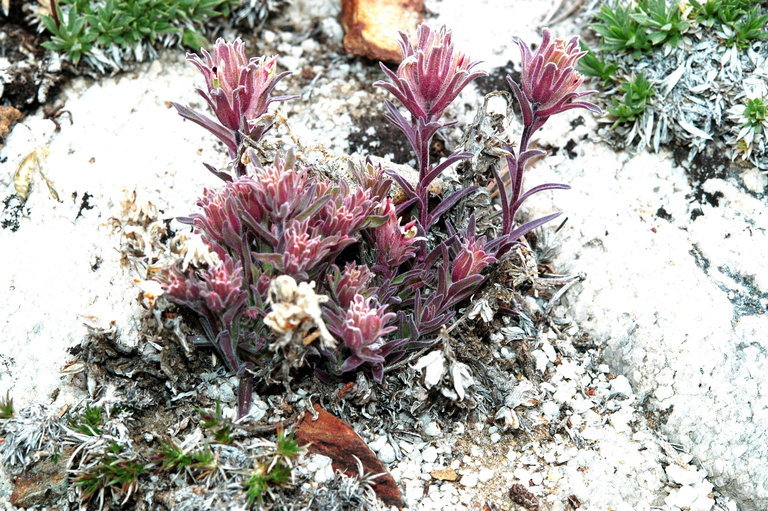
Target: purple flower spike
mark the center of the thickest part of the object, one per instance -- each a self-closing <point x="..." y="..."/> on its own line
<point x="430" y="75"/>
<point x="219" y="220"/>
<point x="304" y="248"/>
<point x="394" y="242"/>
<point x="238" y="90"/>
<point x="224" y="291"/>
<point x="363" y="333"/>
<point x="549" y="78"/>
<point x="354" y="280"/>
<point x="548" y="87"/>
<point x="471" y="259"/>
<point x="217" y="291"/>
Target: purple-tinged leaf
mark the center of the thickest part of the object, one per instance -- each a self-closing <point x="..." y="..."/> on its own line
<point x="221" y="175"/>
<point x="525" y="105"/>
<point x="533" y="224"/>
<point x="410" y="193"/>
<point x="244" y="392"/>
<point x="447" y="204"/>
<point x="537" y="189"/>
<point x="437" y="170"/>
<point x="224" y="134"/>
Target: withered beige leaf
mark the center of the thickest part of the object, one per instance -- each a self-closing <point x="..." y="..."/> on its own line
<point x="22" y="179"/>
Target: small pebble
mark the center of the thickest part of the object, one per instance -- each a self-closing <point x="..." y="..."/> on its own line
<point x="620" y="385"/>
<point x="444" y="474"/>
<point x="429" y="455"/>
<point x="268" y="36"/>
<point x="378" y="443"/>
<point x="469" y="480"/>
<point x="485" y="475"/>
<point x="387" y="454"/>
<point x="432" y="429"/>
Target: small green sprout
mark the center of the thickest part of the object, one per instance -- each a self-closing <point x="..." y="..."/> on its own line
<point x="748" y="29"/>
<point x="6" y="406"/>
<point x="591" y="65"/>
<point x="90" y="422"/>
<point x="255" y="487"/>
<point x="174" y="458"/>
<point x="215" y="422"/>
<point x="664" y="23"/>
<point x="71" y="36"/>
<point x="722" y="12"/>
<point x="128" y="23"/>
<point x="620" y="31"/>
<point x="275" y="469"/>
<point x="637" y="94"/>
<point x="287" y="446"/>
<point x="111" y="472"/>
<point x="755" y="112"/>
<point x="263" y="477"/>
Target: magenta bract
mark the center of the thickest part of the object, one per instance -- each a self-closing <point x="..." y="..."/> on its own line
<point x="431" y="74"/>
<point x="471" y="259"/>
<point x="395" y="243"/>
<point x="549" y="77"/>
<point x="363" y="332"/>
<point x="237" y="89"/>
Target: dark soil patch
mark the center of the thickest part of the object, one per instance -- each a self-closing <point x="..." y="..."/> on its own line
<point x="85" y="203"/>
<point x="29" y="80"/>
<point x="705" y="165"/>
<point x="497" y="79"/>
<point x="377" y="136"/>
<point x="14" y="209"/>
<point x="663" y="214"/>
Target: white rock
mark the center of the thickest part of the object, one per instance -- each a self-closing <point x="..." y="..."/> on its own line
<point x="691" y="498"/>
<point x="429" y="454"/>
<point x="386" y="454"/>
<point x="550" y="409"/>
<point x="432" y="429"/>
<point x="541" y="360"/>
<point x="485" y="475"/>
<point x="321" y="467"/>
<point x="378" y="443"/>
<point x="469" y="480"/>
<point x="268" y="36"/>
<point x="673" y="307"/>
<point x="549" y="351"/>
<point x="683" y="475"/>
<point x="620" y="385"/>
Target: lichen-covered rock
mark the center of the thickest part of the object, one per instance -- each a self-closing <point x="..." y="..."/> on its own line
<point x="676" y="291"/>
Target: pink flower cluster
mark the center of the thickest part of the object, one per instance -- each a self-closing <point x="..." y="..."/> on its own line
<point x="471" y="259"/>
<point x="363" y="332"/>
<point x="238" y="91"/>
<point x="395" y="243"/>
<point x="549" y="79"/>
<point x="218" y="292"/>
<point x="283" y="222"/>
<point x="431" y="74"/>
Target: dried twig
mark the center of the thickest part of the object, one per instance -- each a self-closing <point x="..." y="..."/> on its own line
<point x="556" y="297"/>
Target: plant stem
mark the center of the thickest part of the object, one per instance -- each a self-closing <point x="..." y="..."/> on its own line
<point x="55" y="13"/>
<point x="422" y="155"/>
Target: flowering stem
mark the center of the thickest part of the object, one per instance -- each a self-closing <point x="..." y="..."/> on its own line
<point x="516" y="175"/>
<point x="423" y="193"/>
